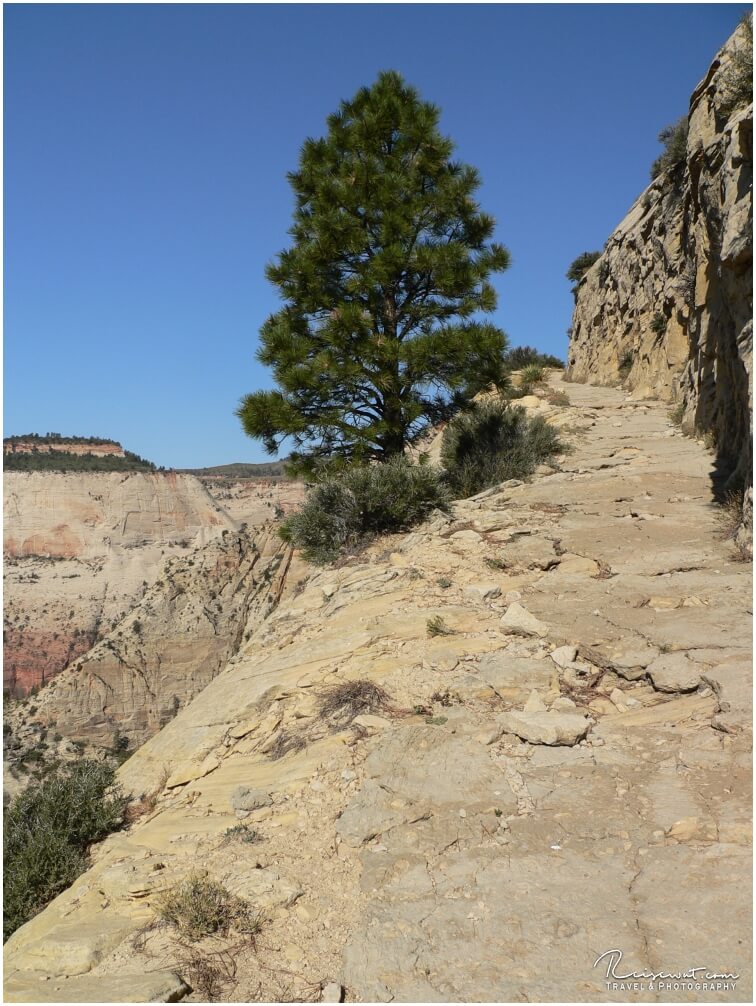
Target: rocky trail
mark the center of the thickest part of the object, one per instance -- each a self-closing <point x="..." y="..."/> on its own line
<point x="558" y="765"/>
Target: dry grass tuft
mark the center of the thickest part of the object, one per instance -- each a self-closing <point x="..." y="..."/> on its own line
<point x="729" y="519"/>
<point x="436" y="626"/>
<point x="341" y="703"/>
<point x="199" y="906"/>
<point x="284" y="743"/>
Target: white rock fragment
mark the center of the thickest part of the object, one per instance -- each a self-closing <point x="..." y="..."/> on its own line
<point x="482" y="591"/>
<point x="551" y="728"/>
<point x="564" y="656"/>
<point x="521" y="622"/>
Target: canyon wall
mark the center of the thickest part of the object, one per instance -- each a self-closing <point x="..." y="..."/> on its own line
<point x="80" y="550"/>
<point x="172" y="643"/>
<point x="667" y="308"/>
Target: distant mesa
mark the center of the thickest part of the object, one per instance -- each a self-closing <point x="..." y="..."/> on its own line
<point x="240" y="470"/>
<point x="31" y="452"/>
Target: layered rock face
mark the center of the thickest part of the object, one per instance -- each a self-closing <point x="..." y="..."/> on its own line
<point x="564" y="770"/>
<point x="80" y="551"/>
<point x="255" y="501"/>
<point x="173" y="643"/>
<point x="668" y="306"/>
<point x="73" y="515"/>
<point x="98" y="449"/>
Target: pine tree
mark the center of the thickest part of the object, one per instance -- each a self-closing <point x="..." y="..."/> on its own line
<point x="389" y="269"/>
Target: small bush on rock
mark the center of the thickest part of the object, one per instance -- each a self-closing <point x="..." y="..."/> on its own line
<point x="342" y="509"/>
<point x="341" y="703"/>
<point x="533" y="374"/>
<point x="737" y="76"/>
<point x="200" y="906"/>
<point x="675" y="140"/>
<point x="493" y="442"/>
<point x="47" y="831"/>
<point x="579" y="267"/>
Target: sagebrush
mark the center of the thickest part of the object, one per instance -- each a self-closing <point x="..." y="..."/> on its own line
<point x="360" y="502"/>
<point x="492" y="442"/>
<point x="737" y="75"/>
<point x="523" y="356"/>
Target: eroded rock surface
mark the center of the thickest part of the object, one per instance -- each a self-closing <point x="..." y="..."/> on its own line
<point x="80" y="550"/>
<point x="175" y="640"/>
<point x="422" y="853"/>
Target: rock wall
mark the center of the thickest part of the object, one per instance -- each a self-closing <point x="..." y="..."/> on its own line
<point x="255" y="501"/>
<point x="667" y="308"/>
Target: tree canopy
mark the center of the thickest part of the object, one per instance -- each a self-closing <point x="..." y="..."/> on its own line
<point x="383" y="287"/>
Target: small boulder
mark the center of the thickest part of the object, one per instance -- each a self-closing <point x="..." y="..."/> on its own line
<point x="563" y="704"/>
<point x="552" y="728"/>
<point x="482" y="591"/>
<point x="534" y="704"/>
<point x="564" y="656"/>
<point x="332" y="993"/>
<point x="674" y="672"/>
<point x="245" y="798"/>
<point x="521" y="622"/>
<point x="617" y="696"/>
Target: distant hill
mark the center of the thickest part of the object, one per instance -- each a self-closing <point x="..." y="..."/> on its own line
<point x="240" y="470"/>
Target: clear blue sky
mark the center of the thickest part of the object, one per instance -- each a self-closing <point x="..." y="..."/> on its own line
<point x="146" y="148"/>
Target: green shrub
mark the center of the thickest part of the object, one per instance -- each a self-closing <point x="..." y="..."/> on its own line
<point x="533" y="374"/>
<point x="523" y="356"/>
<point x="199" y="907"/>
<point x="580" y="266"/>
<point x="658" y="323"/>
<point x="47" y="831"/>
<point x="676" y="414"/>
<point x="493" y="442"/>
<point x="436" y="626"/>
<point x="737" y="76"/>
<point x="675" y="140"/>
<point x="342" y="509"/>
<point x="625" y="364"/>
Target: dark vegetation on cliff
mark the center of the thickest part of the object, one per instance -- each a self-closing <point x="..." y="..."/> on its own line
<point x="64" y="461"/>
<point x="580" y="266"/>
<point x="241" y="470"/>
<point x="57" y="438"/>
<point x="47" y="832"/>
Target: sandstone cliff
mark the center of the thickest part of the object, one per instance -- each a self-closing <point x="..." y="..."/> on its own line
<point x="565" y="769"/>
<point x="80" y="550"/>
<point x="175" y="640"/>
<point x="667" y="308"/>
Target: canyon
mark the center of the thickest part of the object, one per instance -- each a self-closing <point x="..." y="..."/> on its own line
<point x="465" y="763"/>
<point x="83" y="548"/>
